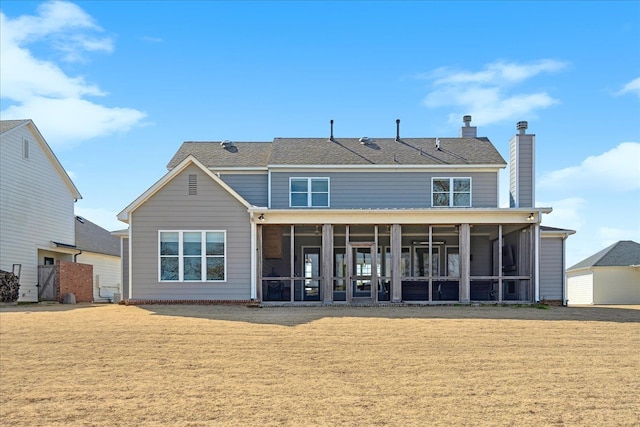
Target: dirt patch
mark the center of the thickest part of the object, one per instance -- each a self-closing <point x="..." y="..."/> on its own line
<point x="348" y="366"/>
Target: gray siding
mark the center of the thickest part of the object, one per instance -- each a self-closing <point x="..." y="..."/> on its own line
<point x="252" y="187"/>
<point x="361" y="190"/>
<point x="551" y="268"/>
<point x="521" y="158"/>
<point x="171" y="208"/>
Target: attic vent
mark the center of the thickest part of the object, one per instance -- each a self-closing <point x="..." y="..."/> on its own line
<point x="25" y="148"/>
<point x="226" y="143"/>
<point x="364" y="140"/>
<point x="193" y="185"/>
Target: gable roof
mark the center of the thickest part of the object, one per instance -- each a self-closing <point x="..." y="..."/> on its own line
<point x="91" y="237"/>
<point x="212" y="154"/>
<point x="11" y="125"/>
<point x="189" y="160"/>
<point x="7" y="125"/>
<point x="623" y="253"/>
<point x="344" y="151"/>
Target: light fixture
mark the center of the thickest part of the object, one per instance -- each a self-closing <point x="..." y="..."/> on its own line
<point x="531" y="217"/>
<point x="261" y="217"/>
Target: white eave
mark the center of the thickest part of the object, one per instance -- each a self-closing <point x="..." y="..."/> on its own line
<point x="189" y="160"/>
<point x="401" y="216"/>
<point x="390" y="168"/>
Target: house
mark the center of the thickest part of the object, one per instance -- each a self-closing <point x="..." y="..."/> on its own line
<point x="611" y="276"/>
<point x="101" y="250"/>
<point x="36" y="206"/>
<point x="344" y="220"/>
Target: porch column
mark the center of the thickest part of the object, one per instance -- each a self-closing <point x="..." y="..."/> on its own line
<point x="327" y="263"/>
<point x="396" y="258"/>
<point x="258" y="255"/>
<point x="465" y="264"/>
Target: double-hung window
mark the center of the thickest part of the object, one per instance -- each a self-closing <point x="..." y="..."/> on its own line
<point x="451" y="192"/>
<point x="309" y="192"/>
<point x="192" y="256"/>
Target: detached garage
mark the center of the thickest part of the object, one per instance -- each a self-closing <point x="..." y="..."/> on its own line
<point x="611" y="276"/>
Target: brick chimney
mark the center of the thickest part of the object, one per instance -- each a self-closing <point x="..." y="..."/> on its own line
<point x="522" y="168"/>
<point x="467" y="131"/>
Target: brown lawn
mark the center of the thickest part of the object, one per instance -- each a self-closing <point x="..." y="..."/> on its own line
<point x="105" y="365"/>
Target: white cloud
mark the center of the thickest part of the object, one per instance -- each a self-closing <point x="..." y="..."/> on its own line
<point x="41" y="90"/>
<point x="488" y="94"/>
<point x="615" y="171"/>
<point x="567" y="213"/>
<point x="632" y="87"/>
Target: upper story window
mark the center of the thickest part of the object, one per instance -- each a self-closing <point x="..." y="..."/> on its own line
<point x="309" y="192"/>
<point x="192" y="256"/>
<point x="451" y="192"/>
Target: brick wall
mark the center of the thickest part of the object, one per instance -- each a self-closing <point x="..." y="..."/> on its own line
<point x="76" y="279"/>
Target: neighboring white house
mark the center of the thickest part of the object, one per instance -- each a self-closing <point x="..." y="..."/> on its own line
<point x="102" y="250"/>
<point x="36" y="205"/>
<point x="611" y="276"/>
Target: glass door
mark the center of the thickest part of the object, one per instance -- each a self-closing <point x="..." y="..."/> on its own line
<point x="363" y="271"/>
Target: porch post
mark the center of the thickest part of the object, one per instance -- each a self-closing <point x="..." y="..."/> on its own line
<point x="327" y="263"/>
<point x="258" y="254"/>
<point x="465" y="264"/>
<point x="396" y="258"/>
<point x="536" y="261"/>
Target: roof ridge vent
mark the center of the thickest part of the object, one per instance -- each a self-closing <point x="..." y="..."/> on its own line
<point x="365" y="140"/>
<point x="226" y="143"/>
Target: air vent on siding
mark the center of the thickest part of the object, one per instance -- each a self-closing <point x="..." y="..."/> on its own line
<point x="25" y="148"/>
<point x="193" y="185"/>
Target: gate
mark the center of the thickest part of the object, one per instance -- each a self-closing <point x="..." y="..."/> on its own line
<point x="47" y="283"/>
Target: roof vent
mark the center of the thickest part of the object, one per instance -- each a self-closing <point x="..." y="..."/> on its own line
<point x="80" y="219"/>
<point x="522" y="127"/>
<point x="397" y="130"/>
<point x="437" y="143"/>
<point x="226" y="143"/>
<point x="331" y="139"/>
<point x="364" y="140"/>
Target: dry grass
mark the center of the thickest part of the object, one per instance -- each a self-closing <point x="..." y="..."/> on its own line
<point x="396" y="366"/>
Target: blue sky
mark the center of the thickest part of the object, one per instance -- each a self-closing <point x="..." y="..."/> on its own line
<point x="115" y="87"/>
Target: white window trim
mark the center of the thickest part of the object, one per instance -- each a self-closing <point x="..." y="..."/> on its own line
<point x="180" y="256"/>
<point x="451" y="192"/>
<point x="309" y="192"/>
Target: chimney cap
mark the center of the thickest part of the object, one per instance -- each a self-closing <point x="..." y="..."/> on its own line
<point x="522" y="125"/>
<point x="466" y="119"/>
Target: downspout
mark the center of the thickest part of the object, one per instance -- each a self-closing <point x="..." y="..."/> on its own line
<point x="564" y="272"/>
<point x="75" y="256"/>
<point x="536" y="232"/>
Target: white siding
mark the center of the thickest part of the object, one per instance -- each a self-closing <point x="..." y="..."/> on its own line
<point x="616" y="285"/>
<point x="580" y="288"/>
<point x="36" y="207"/>
<point x="106" y="274"/>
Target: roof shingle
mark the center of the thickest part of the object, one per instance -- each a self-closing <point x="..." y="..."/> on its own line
<point x="343" y="151"/>
<point x="623" y="253"/>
